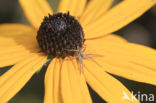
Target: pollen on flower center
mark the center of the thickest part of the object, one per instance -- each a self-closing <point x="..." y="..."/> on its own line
<point x="60" y="35"/>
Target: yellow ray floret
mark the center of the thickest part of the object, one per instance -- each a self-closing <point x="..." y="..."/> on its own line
<point x="14" y="79"/>
<point x="92" y="13"/>
<point x="118" y="17"/>
<point x="128" y="60"/>
<point x="35" y="10"/>
<point x="75" y="7"/>
<point x="105" y="85"/>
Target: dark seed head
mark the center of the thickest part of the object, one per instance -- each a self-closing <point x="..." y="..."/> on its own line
<point x="60" y="35"/>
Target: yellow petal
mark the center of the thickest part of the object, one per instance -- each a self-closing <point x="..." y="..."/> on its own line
<point x="128" y="60"/>
<point x="133" y="53"/>
<point x="110" y="38"/>
<point x="17" y="67"/>
<point x="15" y="49"/>
<point x="7" y="59"/>
<point x="94" y="10"/>
<point x="49" y="96"/>
<point x="14" y="79"/>
<point x="128" y="70"/>
<point x="14" y="41"/>
<point x="18" y="34"/>
<point x="70" y="85"/>
<point x="66" y="91"/>
<point x="35" y="10"/>
<point x="75" y="7"/>
<point x="110" y="89"/>
<point x="14" y="29"/>
<point x="118" y="17"/>
<point x="56" y="81"/>
<point x="52" y="83"/>
<point x="126" y="49"/>
<point x="83" y="85"/>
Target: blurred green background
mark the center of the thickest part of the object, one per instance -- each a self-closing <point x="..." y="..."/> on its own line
<point x="141" y="31"/>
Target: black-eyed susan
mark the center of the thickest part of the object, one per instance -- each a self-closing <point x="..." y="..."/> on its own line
<point x="79" y="35"/>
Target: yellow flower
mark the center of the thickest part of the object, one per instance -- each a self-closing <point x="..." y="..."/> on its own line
<point x="64" y="83"/>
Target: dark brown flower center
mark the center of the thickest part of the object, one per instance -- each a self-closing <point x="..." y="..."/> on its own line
<point x="60" y="35"/>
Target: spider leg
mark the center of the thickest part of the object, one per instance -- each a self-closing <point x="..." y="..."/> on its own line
<point x="81" y="66"/>
<point x="84" y="48"/>
<point x="94" y="55"/>
<point x="93" y="60"/>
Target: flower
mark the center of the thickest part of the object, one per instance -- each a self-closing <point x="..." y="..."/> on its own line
<point x="63" y="80"/>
